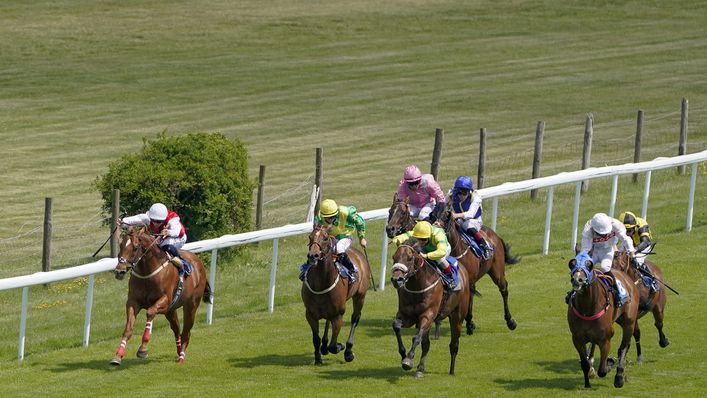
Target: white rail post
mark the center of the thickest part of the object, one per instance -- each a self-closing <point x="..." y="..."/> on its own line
<point x="273" y="273"/>
<point x="384" y="258"/>
<point x="691" y="200"/>
<point x="575" y="214"/>
<point x="548" y="219"/>
<point x="89" y="308"/>
<point x="212" y="283"/>
<point x="494" y="212"/>
<point x="23" y="323"/>
<point x="646" y="193"/>
<point x="614" y="188"/>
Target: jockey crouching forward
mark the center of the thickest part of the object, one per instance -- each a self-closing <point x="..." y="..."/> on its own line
<point x="342" y="221"/>
<point x="638" y="229"/>
<point x="435" y="248"/>
<point x="599" y="238"/>
<point x="466" y="211"/>
<point x="167" y="224"/>
<point x="422" y="191"/>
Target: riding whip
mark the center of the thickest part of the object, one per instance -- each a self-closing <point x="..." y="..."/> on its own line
<point x="104" y="243"/>
<point x="365" y="252"/>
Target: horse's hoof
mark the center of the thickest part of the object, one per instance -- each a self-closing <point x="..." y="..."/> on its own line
<point x="116" y="361"/>
<point x="419" y="374"/>
<point x="664" y="343"/>
<point x="511" y="323"/>
<point x="407" y="363"/>
<point x="335" y="349"/>
<point x="618" y="381"/>
<point x="470" y="327"/>
<point x="318" y="362"/>
<point x="349" y="356"/>
<point x="639" y="360"/>
<point x="324" y="350"/>
<point x="142" y="354"/>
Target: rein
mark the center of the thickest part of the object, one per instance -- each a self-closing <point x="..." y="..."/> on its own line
<point x="408" y="277"/>
<point x="325" y="255"/>
<point x="145" y="250"/>
<point x="460" y="240"/>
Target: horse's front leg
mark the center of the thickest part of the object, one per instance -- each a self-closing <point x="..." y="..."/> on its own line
<point x="397" y="326"/>
<point x="316" y="341"/>
<point x="160" y="306"/>
<point x="581" y="348"/>
<point x="334" y="346"/>
<point x="605" y="363"/>
<point x="425" y="344"/>
<point x="174" y="325"/>
<point x="422" y="334"/>
<point x="131" y="310"/>
<point x="324" y="345"/>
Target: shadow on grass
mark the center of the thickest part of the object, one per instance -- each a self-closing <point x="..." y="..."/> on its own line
<point x="104" y="365"/>
<point x="389" y="374"/>
<point x="571" y="379"/>
<point x="289" y="360"/>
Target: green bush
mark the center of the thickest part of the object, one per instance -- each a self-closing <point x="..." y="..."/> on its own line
<point x="203" y="177"/>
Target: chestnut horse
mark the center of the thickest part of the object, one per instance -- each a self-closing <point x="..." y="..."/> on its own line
<point x="495" y="267"/>
<point x="654" y="302"/>
<point x="152" y="286"/>
<point x="325" y="293"/>
<point x="422" y="300"/>
<point x="591" y="314"/>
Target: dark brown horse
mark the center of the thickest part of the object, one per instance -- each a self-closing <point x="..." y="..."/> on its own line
<point x="325" y="293"/>
<point x="152" y="286"/>
<point x="495" y="266"/>
<point x="422" y="300"/>
<point x="654" y="302"/>
<point x="591" y="313"/>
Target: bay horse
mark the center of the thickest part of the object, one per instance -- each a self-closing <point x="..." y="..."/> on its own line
<point x="325" y="293"/>
<point x="591" y="313"/>
<point x="152" y="285"/>
<point x="421" y="301"/>
<point x="476" y="268"/>
<point x="654" y="302"/>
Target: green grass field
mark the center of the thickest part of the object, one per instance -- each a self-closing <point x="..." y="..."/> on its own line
<point x="82" y="82"/>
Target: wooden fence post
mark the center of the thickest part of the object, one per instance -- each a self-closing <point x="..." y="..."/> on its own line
<point x="637" y="143"/>
<point x="318" y="177"/>
<point x="259" y="199"/>
<point x="47" y="244"/>
<point x="482" y="159"/>
<point x="587" y="151"/>
<point x="114" y="244"/>
<point x="539" y="132"/>
<point x="682" y="146"/>
<point x="437" y="153"/>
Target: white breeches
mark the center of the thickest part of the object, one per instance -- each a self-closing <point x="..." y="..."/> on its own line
<point x="177" y="242"/>
<point x="343" y="245"/>
<point x="470" y="223"/>
<point x="421" y="213"/>
<point x="604" y="257"/>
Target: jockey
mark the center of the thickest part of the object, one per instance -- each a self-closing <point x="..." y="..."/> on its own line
<point x="172" y="234"/>
<point x="423" y="192"/>
<point x="599" y="239"/>
<point x="466" y="210"/>
<point x="434" y="247"/>
<point x="343" y="221"/>
<point x="637" y="228"/>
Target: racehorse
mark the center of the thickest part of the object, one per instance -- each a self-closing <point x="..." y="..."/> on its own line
<point x="153" y="281"/>
<point x="325" y="293"/>
<point x="591" y="313"/>
<point x="476" y="268"/>
<point x="399" y="218"/>
<point x="654" y="303"/>
<point x="422" y="300"/>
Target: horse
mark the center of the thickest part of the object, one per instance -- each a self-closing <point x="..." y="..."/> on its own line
<point x="152" y="285"/>
<point x="591" y="313"/>
<point x="654" y="303"/>
<point x="476" y="268"/>
<point x="422" y="300"/>
<point x="325" y="293"/>
<point x="399" y="218"/>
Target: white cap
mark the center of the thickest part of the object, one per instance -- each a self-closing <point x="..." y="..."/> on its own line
<point x="158" y="212"/>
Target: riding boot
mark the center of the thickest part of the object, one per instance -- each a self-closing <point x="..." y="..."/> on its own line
<point x="345" y="261"/>
<point x="485" y="249"/>
<point x="615" y="289"/>
<point x="449" y="280"/>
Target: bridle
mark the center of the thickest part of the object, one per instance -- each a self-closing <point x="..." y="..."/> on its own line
<point x="406" y="223"/>
<point x="418" y="264"/>
<point x="132" y="264"/>
<point x="319" y="257"/>
<point x="578" y="286"/>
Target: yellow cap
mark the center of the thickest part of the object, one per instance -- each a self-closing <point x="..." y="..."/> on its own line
<point x="329" y="208"/>
<point x="422" y="230"/>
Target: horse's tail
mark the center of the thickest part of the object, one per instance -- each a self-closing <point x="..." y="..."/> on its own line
<point x="208" y="297"/>
<point x="507" y="252"/>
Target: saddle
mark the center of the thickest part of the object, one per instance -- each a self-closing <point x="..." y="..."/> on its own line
<point x="475" y="248"/>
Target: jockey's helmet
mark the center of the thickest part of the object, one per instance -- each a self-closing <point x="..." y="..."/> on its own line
<point x="629" y="219"/>
<point x="158" y="212"/>
<point x="601" y="223"/>
<point x="422" y="230"/>
<point x="464" y="182"/>
<point x="412" y="174"/>
<point x="329" y="208"/>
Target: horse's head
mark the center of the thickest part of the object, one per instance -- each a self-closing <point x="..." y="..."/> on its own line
<point x="320" y="244"/>
<point x="581" y="271"/>
<point x="399" y="218"/>
<point x="133" y="247"/>
<point x="406" y="263"/>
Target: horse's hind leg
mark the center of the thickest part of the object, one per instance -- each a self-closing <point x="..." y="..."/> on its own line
<point x="498" y="276"/>
<point x="425" y="349"/>
<point x="658" y="316"/>
<point x="355" y="318"/>
<point x="324" y="347"/>
<point x="623" y="350"/>
<point x="334" y="346"/>
<point x="174" y="325"/>
<point x="189" y="314"/>
<point x="470" y="325"/>
<point x="637" y="339"/>
<point x="455" y="324"/>
<point x="316" y="341"/>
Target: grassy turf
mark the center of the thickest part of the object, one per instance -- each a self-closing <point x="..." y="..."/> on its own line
<point x="83" y="82"/>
